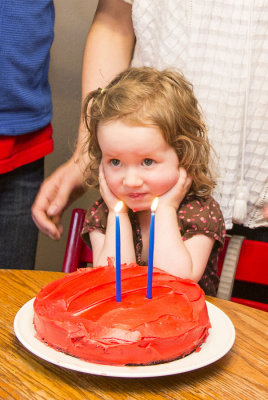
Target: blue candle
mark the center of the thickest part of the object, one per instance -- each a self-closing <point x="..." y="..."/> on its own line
<point x="118" y="251"/>
<point x="151" y="250"/>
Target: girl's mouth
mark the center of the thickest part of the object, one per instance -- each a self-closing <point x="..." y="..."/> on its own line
<point x="136" y="195"/>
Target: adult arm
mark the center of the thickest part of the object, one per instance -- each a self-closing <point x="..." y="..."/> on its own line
<point x="108" y="51"/>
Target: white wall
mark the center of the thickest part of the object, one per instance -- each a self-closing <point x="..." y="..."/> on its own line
<point x="73" y="20"/>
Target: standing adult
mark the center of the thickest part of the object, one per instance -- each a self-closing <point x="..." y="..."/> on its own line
<point x="27" y="30"/>
<point x="220" y="46"/>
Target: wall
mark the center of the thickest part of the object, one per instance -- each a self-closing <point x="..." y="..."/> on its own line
<point x="73" y="20"/>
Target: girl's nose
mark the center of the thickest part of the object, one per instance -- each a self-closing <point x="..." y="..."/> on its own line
<point x="132" y="178"/>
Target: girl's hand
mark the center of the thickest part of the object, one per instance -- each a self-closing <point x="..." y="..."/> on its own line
<point x="176" y="194"/>
<point x="110" y="199"/>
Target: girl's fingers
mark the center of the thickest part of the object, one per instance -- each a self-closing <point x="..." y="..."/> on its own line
<point x="184" y="179"/>
<point x="110" y="199"/>
<point x="188" y="182"/>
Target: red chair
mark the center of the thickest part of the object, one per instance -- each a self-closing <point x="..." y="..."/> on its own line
<point x="243" y="270"/>
<point x="77" y="253"/>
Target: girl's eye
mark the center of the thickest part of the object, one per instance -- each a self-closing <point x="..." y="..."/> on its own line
<point x="115" y="162"/>
<point x="148" y="162"/>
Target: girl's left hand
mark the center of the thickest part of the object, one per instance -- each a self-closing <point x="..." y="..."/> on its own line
<point x="176" y="194"/>
<point x="110" y="199"/>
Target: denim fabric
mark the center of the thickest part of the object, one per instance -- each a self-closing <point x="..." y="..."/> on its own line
<point x="26" y="32"/>
<point x="18" y="233"/>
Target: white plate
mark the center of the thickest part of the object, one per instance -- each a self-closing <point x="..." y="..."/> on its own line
<point x="219" y="342"/>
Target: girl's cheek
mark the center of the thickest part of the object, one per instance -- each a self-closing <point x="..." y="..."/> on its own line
<point x="167" y="184"/>
<point x="113" y="182"/>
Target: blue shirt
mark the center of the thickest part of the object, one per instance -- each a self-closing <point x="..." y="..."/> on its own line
<point x="26" y="36"/>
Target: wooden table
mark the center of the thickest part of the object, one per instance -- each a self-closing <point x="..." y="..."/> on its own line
<point x="240" y="374"/>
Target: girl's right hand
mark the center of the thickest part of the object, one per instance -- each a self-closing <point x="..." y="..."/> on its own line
<point x="110" y="199"/>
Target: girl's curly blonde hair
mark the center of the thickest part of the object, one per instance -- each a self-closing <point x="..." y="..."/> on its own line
<point x="146" y="96"/>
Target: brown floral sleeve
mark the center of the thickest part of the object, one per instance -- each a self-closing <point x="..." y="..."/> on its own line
<point x="96" y="218"/>
<point x="201" y="215"/>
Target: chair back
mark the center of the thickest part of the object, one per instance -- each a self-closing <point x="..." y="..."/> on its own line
<point x="77" y="253"/>
<point x="243" y="270"/>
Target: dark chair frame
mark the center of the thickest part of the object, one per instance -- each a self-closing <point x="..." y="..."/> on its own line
<point x="77" y="253"/>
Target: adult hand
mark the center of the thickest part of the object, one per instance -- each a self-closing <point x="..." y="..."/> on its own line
<point x="57" y="192"/>
<point x="176" y="194"/>
<point x="265" y="211"/>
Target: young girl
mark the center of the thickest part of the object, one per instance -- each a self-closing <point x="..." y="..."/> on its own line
<point x="147" y="139"/>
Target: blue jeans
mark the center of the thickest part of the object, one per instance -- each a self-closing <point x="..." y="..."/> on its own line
<point x="18" y="233"/>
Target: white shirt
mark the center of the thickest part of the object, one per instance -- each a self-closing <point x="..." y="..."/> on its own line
<point x="221" y="46"/>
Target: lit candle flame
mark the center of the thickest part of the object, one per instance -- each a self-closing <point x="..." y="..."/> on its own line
<point x="154" y="204"/>
<point x="118" y="207"/>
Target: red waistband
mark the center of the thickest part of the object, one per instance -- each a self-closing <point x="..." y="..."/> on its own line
<point x="16" y="151"/>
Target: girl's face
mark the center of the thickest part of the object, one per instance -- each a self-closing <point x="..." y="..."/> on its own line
<point x="138" y="164"/>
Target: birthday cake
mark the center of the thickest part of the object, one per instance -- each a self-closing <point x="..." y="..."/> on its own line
<point x="79" y="315"/>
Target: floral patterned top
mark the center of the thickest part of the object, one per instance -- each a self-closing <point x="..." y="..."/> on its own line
<point x="196" y="215"/>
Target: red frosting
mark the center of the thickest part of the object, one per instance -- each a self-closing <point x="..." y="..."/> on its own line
<point x="79" y="315"/>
